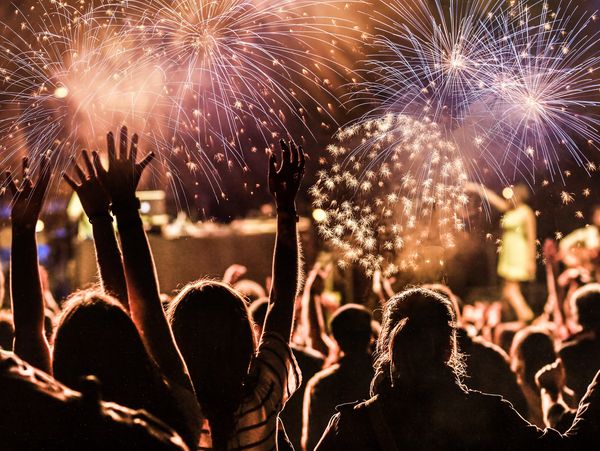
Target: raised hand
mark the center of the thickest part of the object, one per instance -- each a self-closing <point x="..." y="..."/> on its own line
<point x="123" y="175"/>
<point x="92" y="194"/>
<point x="284" y="181"/>
<point x="28" y="198"/>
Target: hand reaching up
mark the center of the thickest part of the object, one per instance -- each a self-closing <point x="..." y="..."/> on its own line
<point x="28" y="198"/>
<point x="123" y="175"/>
<point x="284" y="181"/>
<point x="94" y="198"/>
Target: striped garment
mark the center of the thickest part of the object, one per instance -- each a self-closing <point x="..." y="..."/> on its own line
<point x="278" y="377"/>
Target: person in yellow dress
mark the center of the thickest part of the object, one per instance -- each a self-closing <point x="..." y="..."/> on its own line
<point x="516" y="262"/>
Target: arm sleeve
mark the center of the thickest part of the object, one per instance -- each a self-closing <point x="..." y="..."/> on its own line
<point x="277" y="371"/>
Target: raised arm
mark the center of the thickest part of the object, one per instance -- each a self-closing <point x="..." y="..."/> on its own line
<point x="495" y="201"/>
<point x="25" y="285"/>
<point x="284" y="182"/>
<point x="121" y="181"/>
<point x="96" y="204"/>
<point x="312" y="310"/>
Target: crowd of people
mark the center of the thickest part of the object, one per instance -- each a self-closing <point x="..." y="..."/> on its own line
<point x="230" y="365"/>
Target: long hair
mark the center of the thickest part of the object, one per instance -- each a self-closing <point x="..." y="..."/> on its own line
<point x="213" y="330"/>
<point x="96" y="336"/>
<point x="418" y="327"/>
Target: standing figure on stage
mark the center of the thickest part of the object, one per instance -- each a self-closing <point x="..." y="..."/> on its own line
<point x="517" y="260"/>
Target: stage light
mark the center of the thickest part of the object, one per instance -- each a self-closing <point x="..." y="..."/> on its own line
<point x="145" y="207"/>
<point x="319" y="215"/>
<point x="39" y="226"/>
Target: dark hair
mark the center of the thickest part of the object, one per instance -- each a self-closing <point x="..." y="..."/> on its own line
<point x="351" y="327"/>
<point x="586" y="302"/>
<point x="533" y="348"/>
<point x="213" y="330"/>
<point x="418" y="326"/>
<point x="96" y="336"/>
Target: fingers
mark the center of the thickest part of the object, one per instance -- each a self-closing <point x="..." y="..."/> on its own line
<point x="123" y="143"/>
<point x="70" y="182"/>
<point x="110" y="146"/>
<point x="285" y="153"/>
<point x="88" y="163"/>
<point x="98" y="164"/>
<point x="272" y="164"/>
<point x="27" y="183"/>
<point x="294" y="156"/>
<point x="134" y="147"/>
<point x="146" y="161"/>
<point x="80" y="174"/>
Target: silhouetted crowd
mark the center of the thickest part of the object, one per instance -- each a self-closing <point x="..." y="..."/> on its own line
<point x="223" y="365"/>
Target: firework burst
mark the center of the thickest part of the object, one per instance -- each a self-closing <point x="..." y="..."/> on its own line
<point x="390" y="186"/>
<point x="517" y="80"/>
<point x="201" y="81"/>
<point x="240" y="71"/>
<point x="544" y="90"/>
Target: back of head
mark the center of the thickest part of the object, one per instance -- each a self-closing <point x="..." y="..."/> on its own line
<point x="212" y="328"/>
<point x="586" y="304"/>
<point x="446" y="292"/>
<point x="351" y="327"/>
<point x="531" y="350"/>
<point x="96" y="336"/>
<point x="417" y="344"/>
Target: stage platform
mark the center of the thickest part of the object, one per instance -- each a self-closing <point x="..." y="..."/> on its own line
<point x="182" y="260"/>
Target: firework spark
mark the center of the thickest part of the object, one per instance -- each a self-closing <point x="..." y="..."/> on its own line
<point x="516" y="82"/>
<point x="401" y="186"/>
<point x="202" y="81"/>
<point x="544" y="88"/>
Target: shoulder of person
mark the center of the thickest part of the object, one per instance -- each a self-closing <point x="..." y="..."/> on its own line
<point x="358" y="406"/>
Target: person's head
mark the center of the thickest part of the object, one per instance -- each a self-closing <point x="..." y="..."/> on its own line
<point x="596" y="215"/>
<point x="212" y="327"/>
<point x="586" y="305"/>
<point x="417" y="345"/>
<point x="96" y="336"/>
<point x="446" y="292"/>
<point x="351" y="328"/>
<point x="521" y="194"/>
<point x="531" y="350"/>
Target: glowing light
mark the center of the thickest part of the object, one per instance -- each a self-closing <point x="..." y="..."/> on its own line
<point x="390" y="185"/>
<point x="508" y="193"/>
<point x="319" y="215"/>
<point x="61" y="92"/>
<point x="516" y="76"/>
